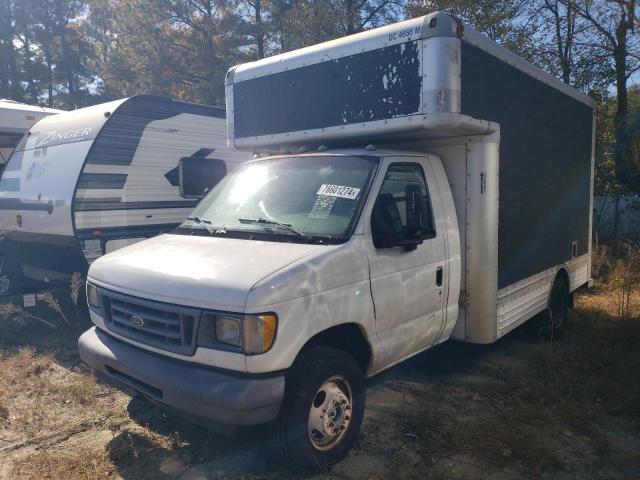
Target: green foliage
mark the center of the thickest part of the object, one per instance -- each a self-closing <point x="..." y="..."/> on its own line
<point x="44" y="51"/>
<point x="607" y="181"/>
<point x="494" y="18"/>
<point x="72" y="53"/>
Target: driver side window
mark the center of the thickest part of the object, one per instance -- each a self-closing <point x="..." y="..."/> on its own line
<point x="389" y="219"/>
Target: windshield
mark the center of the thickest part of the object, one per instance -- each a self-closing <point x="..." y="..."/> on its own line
<point x="304" y="198"/>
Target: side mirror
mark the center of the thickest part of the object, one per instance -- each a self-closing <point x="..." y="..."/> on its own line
<point x="198" y="175"/>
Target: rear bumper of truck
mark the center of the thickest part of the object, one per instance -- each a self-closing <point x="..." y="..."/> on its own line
<point x="220" y="397"/>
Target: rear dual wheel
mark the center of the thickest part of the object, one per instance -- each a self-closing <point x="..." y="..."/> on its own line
<point x="323" y="409"/>
<point x="555" y="318"/>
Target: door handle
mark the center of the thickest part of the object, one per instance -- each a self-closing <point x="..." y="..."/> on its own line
<point x="439" y="273"/>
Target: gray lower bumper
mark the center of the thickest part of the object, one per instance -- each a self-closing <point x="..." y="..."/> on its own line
<point x="220" y="397"/>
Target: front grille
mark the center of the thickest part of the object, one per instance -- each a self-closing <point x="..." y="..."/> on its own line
<point x="162" y="325"/>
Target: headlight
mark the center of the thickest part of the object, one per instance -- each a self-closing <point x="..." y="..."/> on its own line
<point x="93" y="299"/>
<point x="253" y="334"/>
<point x="229" y="330"/>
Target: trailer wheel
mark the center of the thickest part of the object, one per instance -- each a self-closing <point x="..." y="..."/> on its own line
<point x="323" y="409"/>
<point x="557" y="311"/>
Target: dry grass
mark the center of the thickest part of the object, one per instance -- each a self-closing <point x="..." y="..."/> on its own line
<point x="23" y="365"/>
<point x="9" y="311"/>
<point x="620" y="277"/>
<point x="4" y="410"/>
<point x="601" y="260"/>
<point x="78" y="464"/>
<point x="36" y="391"/>
<point x="595" y="375"/>
<point x="23" y="377"/>
<point x="134" y="444"/>
<point x="75" y="288"/>
<point x="53" y="303"/>
<point x="545" y="408"/>
<point x="65" y="303"/>
<point x="62" y="413"/>
<point x="129" y="447"/>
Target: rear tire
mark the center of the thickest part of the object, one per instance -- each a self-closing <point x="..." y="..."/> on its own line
<point x="322" y="413"/>
<point x="555" y="319"/>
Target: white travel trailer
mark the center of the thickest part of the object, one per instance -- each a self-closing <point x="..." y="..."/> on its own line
<point x="428" y="184"/>
<point x="87" y="182"/>
<point x="15" y="119"/>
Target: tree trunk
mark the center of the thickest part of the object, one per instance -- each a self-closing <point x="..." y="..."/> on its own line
<point x="210" y="62"/>
<point x="564" y="42"/>
<point x="279" y="10"/>
<point x="49" y="62"/>
<point x="5" y="18"/>
<point x="350" y="17"/>
<point x="568" y="44"/>
<point x="28" y="68"/>
<point x="11" y="83"/>
<point x="259" y="29"/>
<point x="616" y="226"/>
<point x="66" y="60"/>
<point x="622" y="143"/>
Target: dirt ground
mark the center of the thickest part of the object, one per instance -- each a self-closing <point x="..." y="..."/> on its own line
<point x="520" y="408"/>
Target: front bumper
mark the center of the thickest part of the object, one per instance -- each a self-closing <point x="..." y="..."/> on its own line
<point x="220" y="397"/>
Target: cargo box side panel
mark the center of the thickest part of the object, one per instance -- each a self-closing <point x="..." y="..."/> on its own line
<point x="376" y="85"/>
<point x="545" y="164"/>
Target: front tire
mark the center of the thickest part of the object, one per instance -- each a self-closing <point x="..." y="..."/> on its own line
<point x="323" y="409"/>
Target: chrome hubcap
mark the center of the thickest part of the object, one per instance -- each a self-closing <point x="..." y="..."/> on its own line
<point x="330" y="413"/>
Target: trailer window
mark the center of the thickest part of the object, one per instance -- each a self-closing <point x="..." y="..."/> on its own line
<point x="400" y="178"/>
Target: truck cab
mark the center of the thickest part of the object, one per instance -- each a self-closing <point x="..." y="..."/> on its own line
<point x="352" y="250"/>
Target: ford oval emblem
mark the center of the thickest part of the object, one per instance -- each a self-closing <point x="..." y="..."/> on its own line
<point x="137" y="321"/>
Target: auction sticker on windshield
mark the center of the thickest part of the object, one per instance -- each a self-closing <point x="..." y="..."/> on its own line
<point x="339" y="191"/>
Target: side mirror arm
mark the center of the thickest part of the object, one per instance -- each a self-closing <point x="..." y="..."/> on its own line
<point x="410" y="244"/>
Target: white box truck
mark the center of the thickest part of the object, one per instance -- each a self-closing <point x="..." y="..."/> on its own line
<point x="421" y="183"/>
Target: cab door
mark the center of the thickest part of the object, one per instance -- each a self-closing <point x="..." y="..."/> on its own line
<point x="407" y="270"/>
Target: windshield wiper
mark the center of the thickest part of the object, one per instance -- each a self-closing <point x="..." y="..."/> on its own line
<point x="199" y="220"/>
<point x="284" y="226"/>
<point x="207" y="225"/>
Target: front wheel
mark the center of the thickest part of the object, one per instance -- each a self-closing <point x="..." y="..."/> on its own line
<point x="323" y="409"/>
